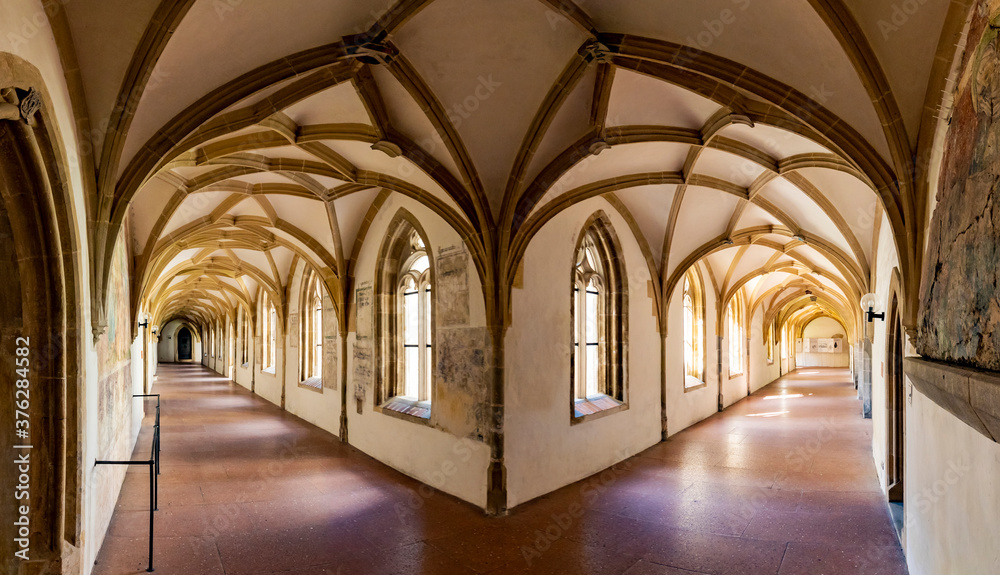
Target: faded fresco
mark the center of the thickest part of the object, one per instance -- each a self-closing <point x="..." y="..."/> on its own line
<point x="462" y="361"/>
<point x="453" y="280"/>
<point x="113" y="355"/>
<point x="960" y="308"/>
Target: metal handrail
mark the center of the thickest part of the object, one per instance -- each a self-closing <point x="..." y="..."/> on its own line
<point x="154" y="470"/>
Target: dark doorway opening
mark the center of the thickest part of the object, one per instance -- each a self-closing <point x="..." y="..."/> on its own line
<point x="894" y="405"/>
<point x="184" y="344"/>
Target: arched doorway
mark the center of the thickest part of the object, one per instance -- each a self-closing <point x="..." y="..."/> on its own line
<point x="39" y="325"/>
<point x="184" y="344"/>
<point x="895" y="424"/>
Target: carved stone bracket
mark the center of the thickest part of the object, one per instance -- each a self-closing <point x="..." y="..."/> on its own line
<point x="18" y="104"/>
<point x="970" y="394"/>
<point x="597" y="51"/>
<point x="369" y="50"/>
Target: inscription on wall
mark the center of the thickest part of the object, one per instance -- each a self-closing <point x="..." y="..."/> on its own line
<point x="363" y="370"/>
<point x="363" y="307"/>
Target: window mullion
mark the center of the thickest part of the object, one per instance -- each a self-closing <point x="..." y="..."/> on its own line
<point x="421" y="344"/>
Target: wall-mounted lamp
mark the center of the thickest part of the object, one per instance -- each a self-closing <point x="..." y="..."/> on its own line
<point x="868" y="308"/>
<point x="144" y="322"/>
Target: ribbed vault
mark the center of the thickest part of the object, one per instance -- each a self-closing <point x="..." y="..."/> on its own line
<point x="751" y="136"/>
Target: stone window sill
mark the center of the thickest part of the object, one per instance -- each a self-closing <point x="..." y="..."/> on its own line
<point x="693" y="383"/>
<point x="313" y="383"/>
<point x="407" y="408"/>
<point x="268" y="370"/>
<point x="596" y="406"/>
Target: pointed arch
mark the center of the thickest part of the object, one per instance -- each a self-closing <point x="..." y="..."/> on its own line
<point x="599" y="358"/>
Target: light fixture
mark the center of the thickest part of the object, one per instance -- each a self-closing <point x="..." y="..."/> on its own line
<point x="868" y="308"/>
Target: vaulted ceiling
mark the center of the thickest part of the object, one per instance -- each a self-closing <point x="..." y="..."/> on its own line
<point x="758" y="137"/>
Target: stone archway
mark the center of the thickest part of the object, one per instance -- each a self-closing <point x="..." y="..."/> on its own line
<point x="40" y="333"/>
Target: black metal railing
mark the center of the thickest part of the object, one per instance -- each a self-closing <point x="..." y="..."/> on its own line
<point x="154" y="470"/>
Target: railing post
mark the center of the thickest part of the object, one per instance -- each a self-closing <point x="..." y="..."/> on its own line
<point x="152" y="509"/>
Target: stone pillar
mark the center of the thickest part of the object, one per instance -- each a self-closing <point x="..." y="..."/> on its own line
<point x="865" y="378"/>
<point x="718" y="365"/>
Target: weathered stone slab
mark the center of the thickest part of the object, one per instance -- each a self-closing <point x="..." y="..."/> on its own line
<point x="984" y="393"/>
<point x="959" y="309"/>
<point x="969" y="394"/>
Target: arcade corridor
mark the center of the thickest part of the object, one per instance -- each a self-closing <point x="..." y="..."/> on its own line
<point x="776" y="486"/>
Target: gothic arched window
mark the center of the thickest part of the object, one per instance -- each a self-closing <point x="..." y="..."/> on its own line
<point x="404" y="325"/>
<point x="311" y="311"/>
<point x="268" y="332"/>
<point x="694" y="330"/>
<point x="599" y="322"/>
<point x="737" y="334"/>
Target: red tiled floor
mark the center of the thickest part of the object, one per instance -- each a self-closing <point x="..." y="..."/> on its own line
<point x="249" y="489"/>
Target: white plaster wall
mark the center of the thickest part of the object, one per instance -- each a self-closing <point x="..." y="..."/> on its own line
<point x="685" y="408"/>
<point x="244" y="375"/>
<point x="825" y="327"/>
<point x="544" y="451"/>
<point x="321" y="407"/>
<point x="453" y="464"/>
<point x="762" y="370"/>
<point x="734" y="386"/>
<point x="952" y="493"/>
<point x="266" y="384"/>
